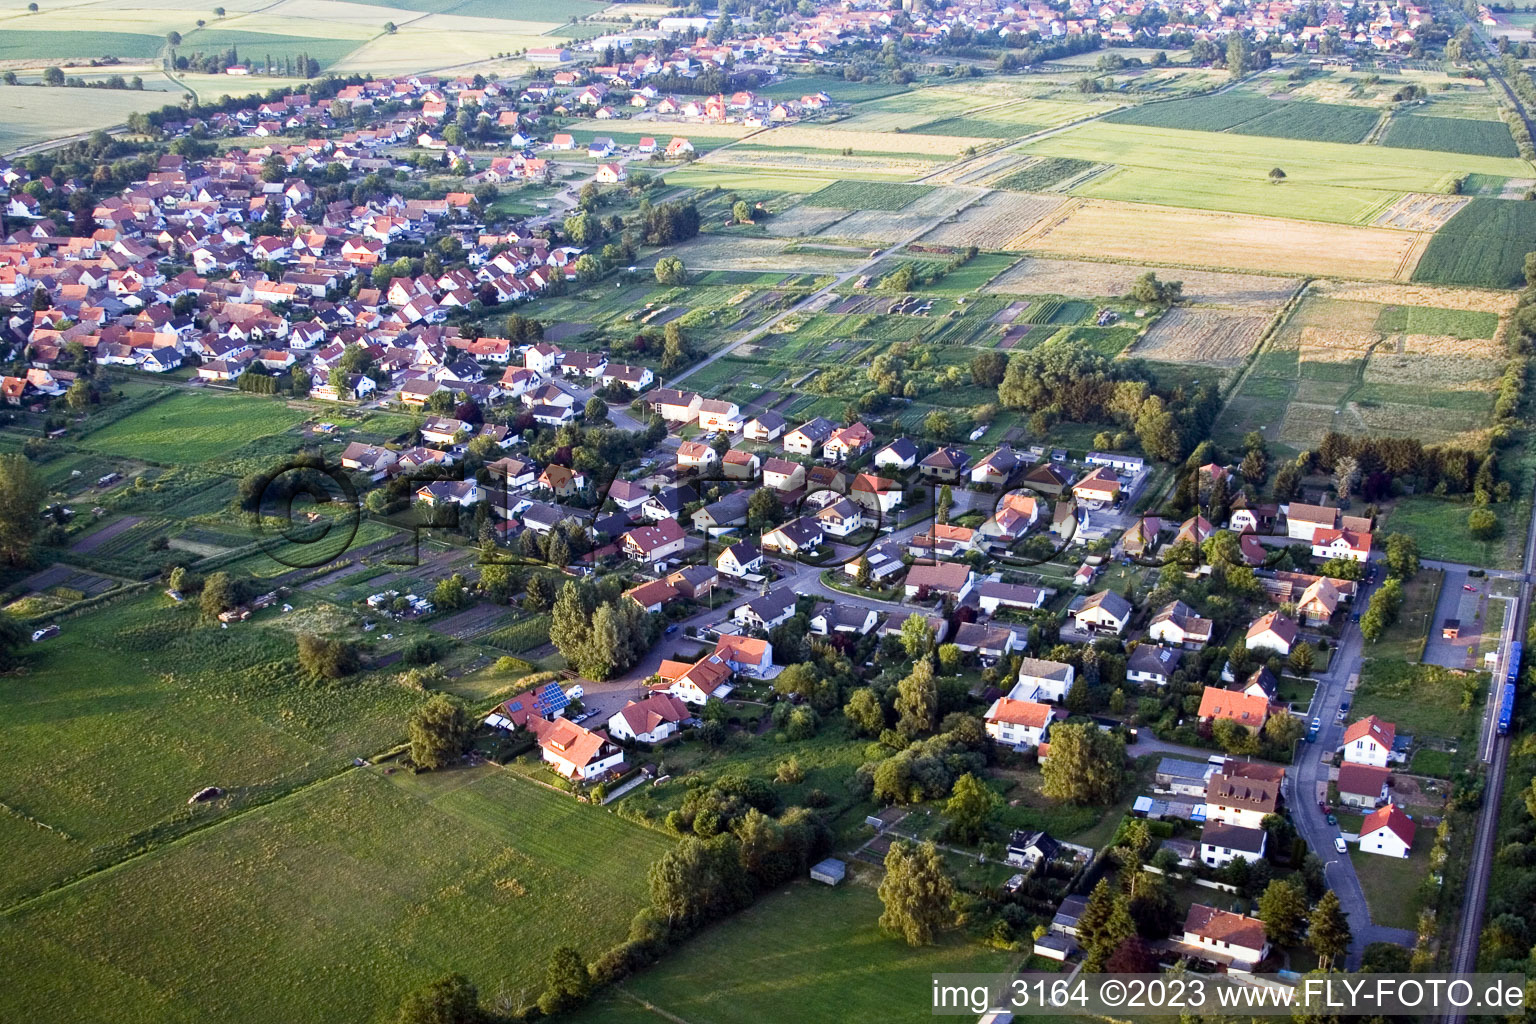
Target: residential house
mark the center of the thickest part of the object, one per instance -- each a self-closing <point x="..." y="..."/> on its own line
<point x="694" y="455"/>
<point x="668" y="503"/>
<point x="1273" y="632"/>
<point x="988" y="641"/>
<point x="1019" y="724"/>
<point x="1363" y="785"/>
<point x="1028" y="849"/>
<point x="1101" y="486"/>
<point x="876" y="493"/>
<point x="794" y="537"/>
<point x="1177" y="624"/>
<point x="1221" y="844"/>
<point x="697" y="682"/>
<point x="1149" y="663"/>
<point x="1015" y="515"/>
<point x="1318" y="602"/>
<point x="1348" y="544"/>
<point x="368" y="459"/>
<point x="783" y="475"/>
<point x="1302" y="521"/>
<point x="884" y="562"/>
<point x="996" y="468"/>
<point x="944" y="465"/>
<point x="562" y="481"/>
<point x="743" y="558"/>
<point x="1105" y="612"/>
<point x="1369" y="741"/>
<point x="724" y="515"/>
<point x="852" y="619"/>
<point x="951" y="580"/>
<point x="1047" y="478"/>
<point x="674" y="406"/>
<point x="1387" y="832"/>
<point x="901" y="454"/>
<point x="841" y="518"/>
<point x="1237" y="800"/>
<point x="847" y="443"/>
<point x="716" y="414"/>
<point x="768" y="426"/>
<point x="809" y="436"/>
<point x="767" y="610"/>
<point x="740" y="465"/>
<point x="994" y="596"/>
<point x="1042" y="680"/>
<point x="654" y="543"/>
<point x="746" y="655"/>
<point x="573" y="751"/>
<point x="1246" y="710"/>
<point x="1231" y="935"/>
<point x="656" y="718"/>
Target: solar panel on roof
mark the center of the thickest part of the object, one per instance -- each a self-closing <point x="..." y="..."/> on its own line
<point x="515" y="705"/>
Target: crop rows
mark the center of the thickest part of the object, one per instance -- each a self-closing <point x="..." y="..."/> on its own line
<point x="1043" y="174"/>
<point x="975" y="127"/>
<point x="1483" y="246"/>
<point x="1451" y="135"/>
<point x="868" y="195"/>
<point x="1246" y="115"/>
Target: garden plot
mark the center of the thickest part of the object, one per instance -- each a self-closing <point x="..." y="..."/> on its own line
<point x="995" y="221"/>
<point x="1421" y="211"/>
<point x="738" y="252"/>
<point x="864" y="196"/>
<point x="880" y="225"/>
<point x="1040" y="276"/>
<point x="794" y="137"/>
<point x="91" y="541"/>
<point x="472" y="623"/>
<point x="803" y="221"/>
<point x="88" y="584"/>
<point x="1201" y="336"/>
<point x="1136" y="231"/>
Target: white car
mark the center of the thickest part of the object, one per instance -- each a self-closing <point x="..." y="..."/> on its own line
<point x="1339" y="845"/>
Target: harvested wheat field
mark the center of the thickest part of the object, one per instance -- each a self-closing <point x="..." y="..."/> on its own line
<point x="1421" y="211"/>
<point x="1159" y="234"/>
<point x="1388" y="365"/>
<point x="1200" y="336"/>
<point x="1041" y="276"/>
<point x="994" y="221"/>
<point x="1474" y="300"/>
<point x="899" y="225"/>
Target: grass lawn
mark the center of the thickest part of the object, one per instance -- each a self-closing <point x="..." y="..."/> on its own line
<point x="335" y="902"/>
<point x="1440" y="527"/>
<point x="135" y="707"/>
<point x="1391" y="884"/>
<point x="1421" y="700"/>
<point x="1405" y="639"/>
<point x="1296" y="690"/>
<point x="1431" y="762"/>
<point x="806" y="953"/>
<point x="192" y="427"/>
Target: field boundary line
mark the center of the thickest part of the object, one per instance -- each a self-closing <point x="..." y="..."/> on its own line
<point x="648" y="1005"/>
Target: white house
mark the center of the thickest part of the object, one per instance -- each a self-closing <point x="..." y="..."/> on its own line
<point x="1387" y="831"/>
<point x="1240" y="800"/>
<point x="573" y="751"/>
<point x="740" y="559"/>
<point x="1273" y="632"/>
<point x="1104" y="612"/>
<point x="1018" y="723"/>
<point x="1221" y="844"/>
<point x="1225" y="933"/>
<point x="656" y="718"/>
<point x="1369" y="741"/>
<point x="1041" y="680"/>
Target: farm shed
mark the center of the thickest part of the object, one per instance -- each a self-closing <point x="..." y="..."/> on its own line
<point x="829" y="871"/>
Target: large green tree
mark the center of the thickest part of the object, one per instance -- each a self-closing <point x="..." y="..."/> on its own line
<point x="1329" y="933"/>
<point x="439" y="731"/>
<point x="566" y="982"/>
<point x="917" y="893"/>
<point x="970" y="808"/>
<point x="21" y="502"/>
<point x="1283" y="909"/>
<point x="917" y="700"/>
<point x="1086" y="766"/>
<point x="448" y="1000"/>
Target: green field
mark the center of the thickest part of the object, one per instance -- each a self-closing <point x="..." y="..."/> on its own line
<point x="28" y="44"/>
<point x="31" y="113"/>
<point x="1324" y="180"/>
<point x="1440" y="527"/>
<point x="976" y="127"/>
<point x="1459" y="323"/>
<point x="807" y="954"/>
<point x="1043" y="174"/>
<point x="1483" y="246"/>
<point x="1246" y="115"/>
<point x="863" y="195"/>
<point x="553" y="11"/>
<point x="1421" y="700"/>
<point x="332" y="904"/>
<point x="194" y="427"/>
<point x="838" y="88"/>
<point x="134" y="708"/>
<point x="256" y="47"/>
<point x="1451" y="134"/>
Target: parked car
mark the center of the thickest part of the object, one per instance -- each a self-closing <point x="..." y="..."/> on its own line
<point x="671" y="629"/>
<point x="1339" y="845"/>
<point x="1333" y="819"/>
